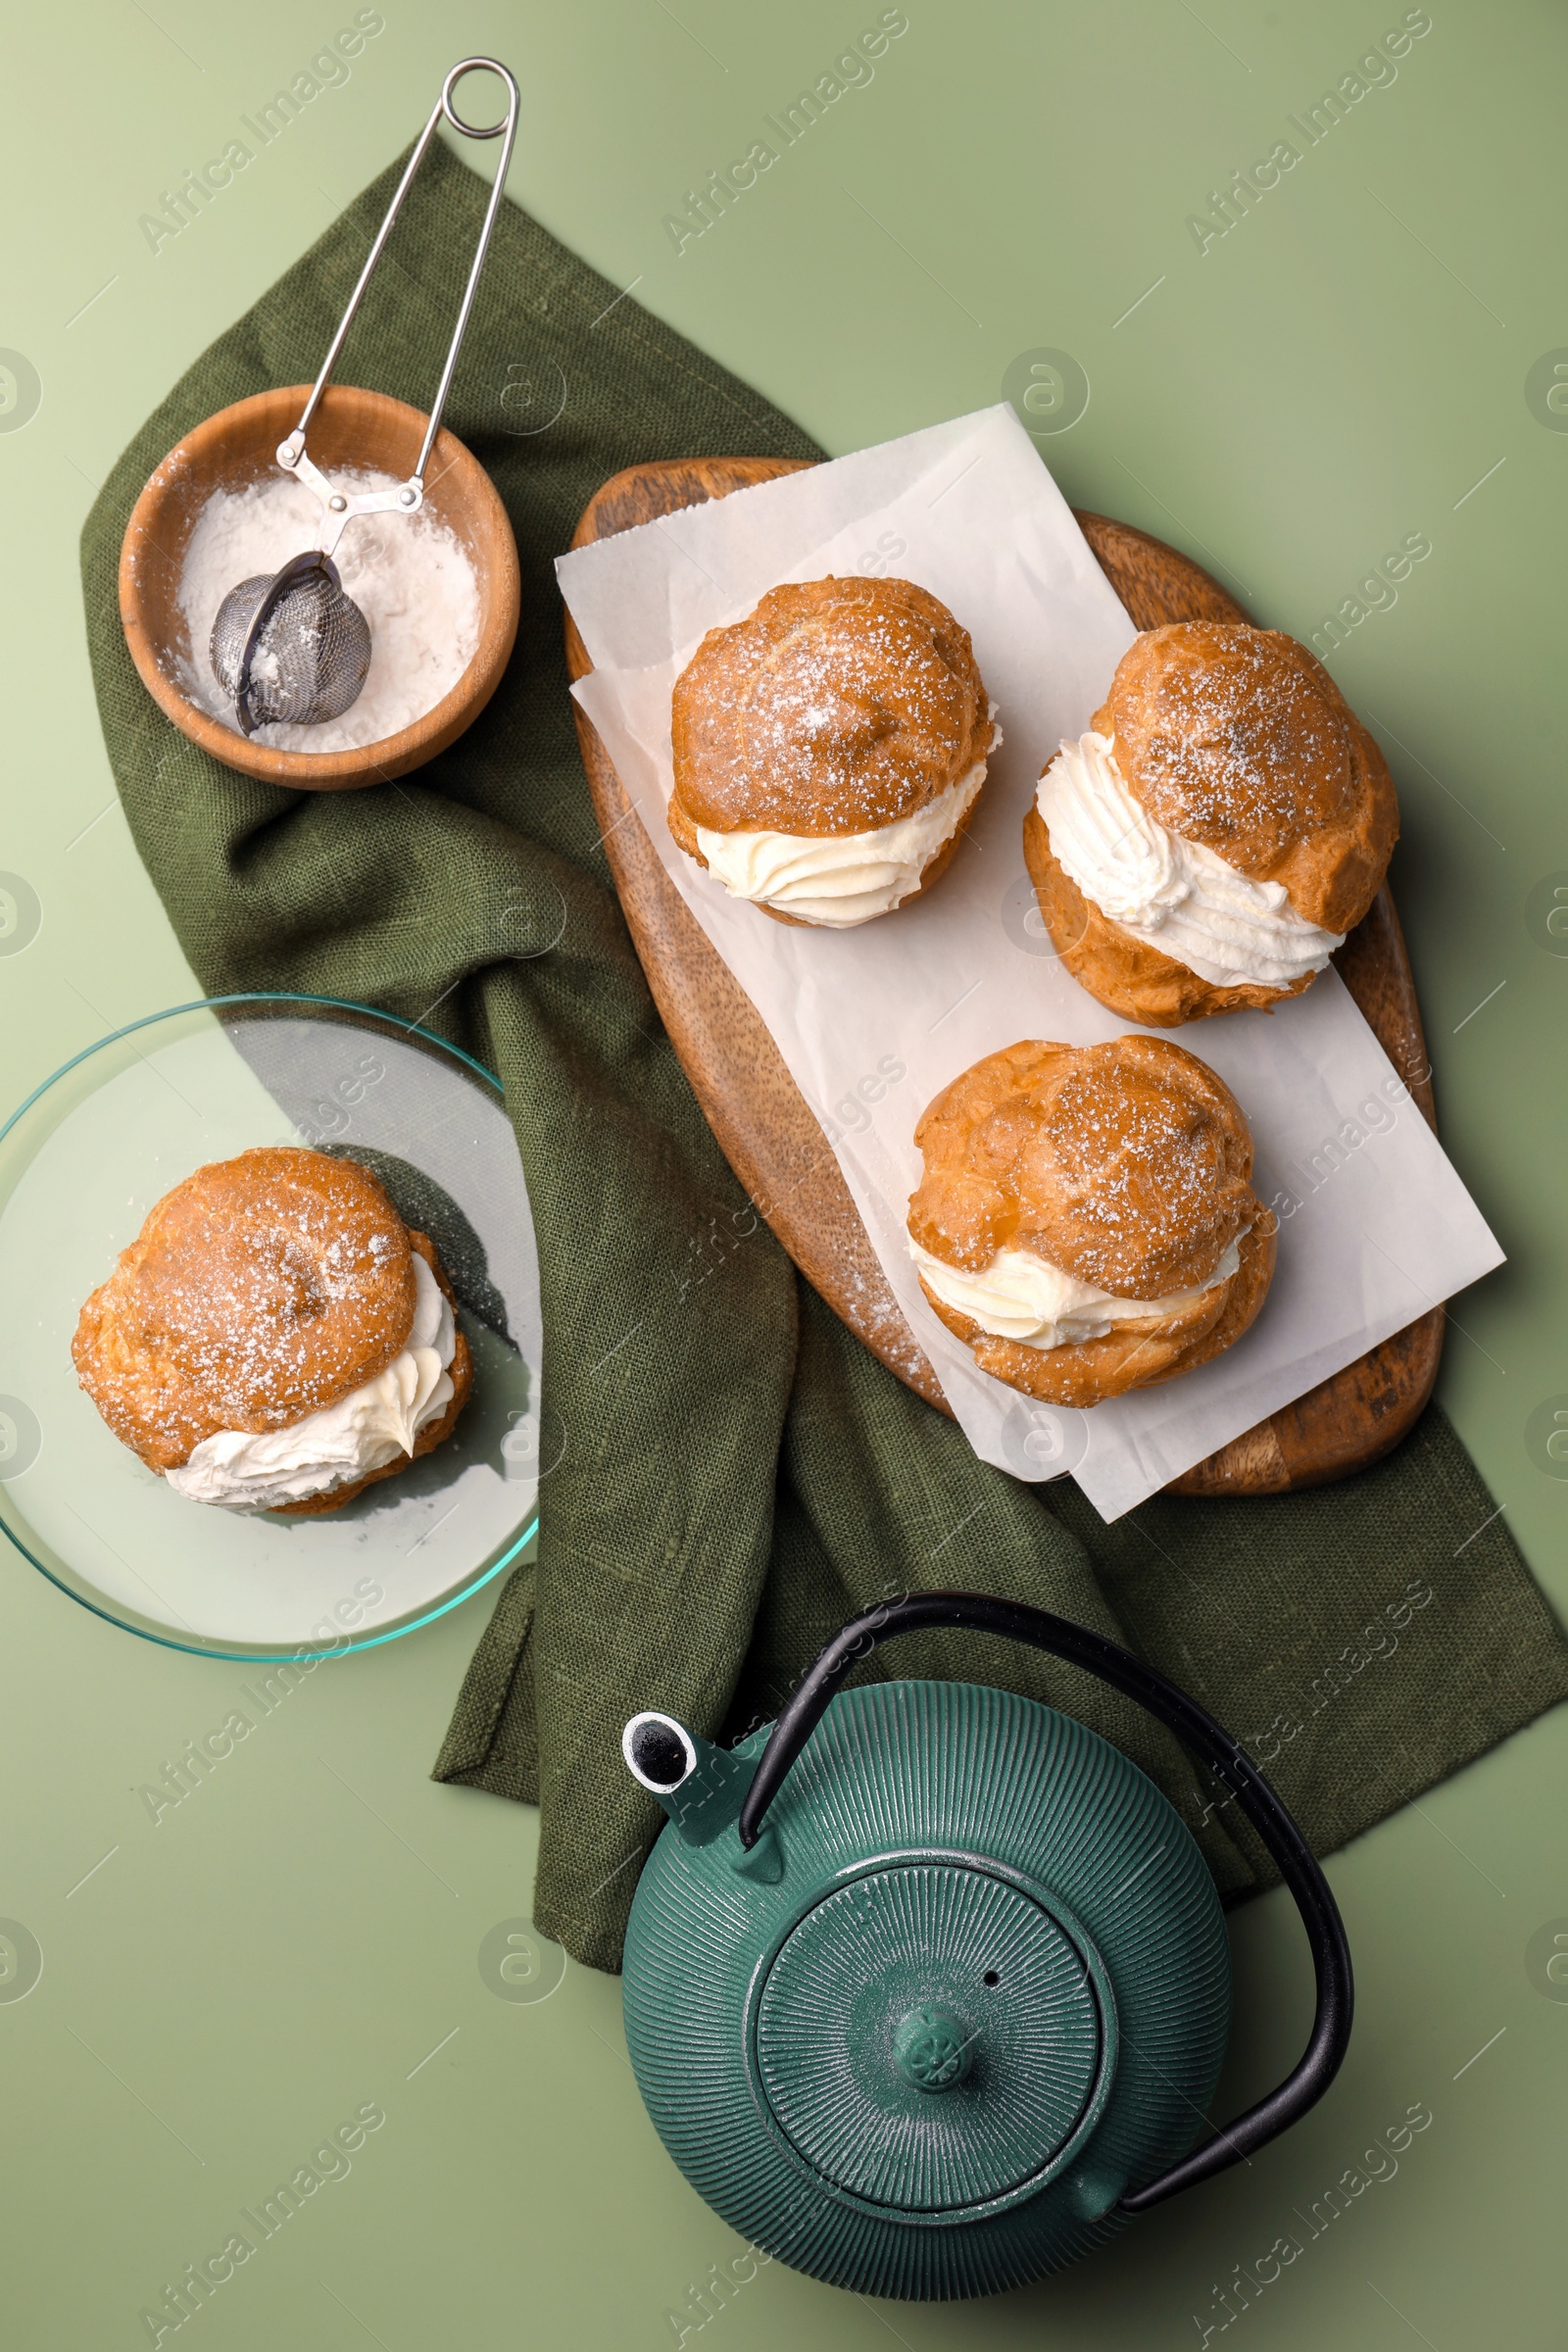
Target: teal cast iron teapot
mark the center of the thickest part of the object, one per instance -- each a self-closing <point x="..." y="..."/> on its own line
<point x="927" y="1989"/>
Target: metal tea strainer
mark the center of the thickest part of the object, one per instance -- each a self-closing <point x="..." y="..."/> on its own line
<point x="290" y="645"/>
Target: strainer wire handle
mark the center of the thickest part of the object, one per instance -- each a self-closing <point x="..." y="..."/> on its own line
<point x="1197" y="1731"/>
<point x="506" y="128"/>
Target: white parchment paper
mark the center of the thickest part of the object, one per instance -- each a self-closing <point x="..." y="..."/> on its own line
<point x="1375" y="1224"/>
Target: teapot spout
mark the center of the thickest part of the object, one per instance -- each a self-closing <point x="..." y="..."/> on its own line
<point x="701" y="1787"/>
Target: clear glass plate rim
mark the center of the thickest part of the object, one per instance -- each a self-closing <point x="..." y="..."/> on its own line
<point x="302" y="1651"/>
<point x="251" y="996"/>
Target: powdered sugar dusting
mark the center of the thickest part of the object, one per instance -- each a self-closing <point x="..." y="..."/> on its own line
<point x="259" y="1291"/>
<point x="1225" y="734"/>
<point x="408" y="574"/>
<point x="870" y="721"/>
<point x="1145" y="1169"/>
<point x="838" y="707"/>
<point x="1124" y="1165"/>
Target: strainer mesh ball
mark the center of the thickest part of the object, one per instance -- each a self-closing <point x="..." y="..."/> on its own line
<point x="311" y="657"/>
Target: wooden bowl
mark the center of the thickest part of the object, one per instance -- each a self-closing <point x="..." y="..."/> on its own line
<point x="236" y="447"/>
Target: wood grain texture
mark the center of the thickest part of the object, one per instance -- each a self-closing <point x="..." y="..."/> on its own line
<point x="778" y="1151"/>
<point x="236" y="447"/>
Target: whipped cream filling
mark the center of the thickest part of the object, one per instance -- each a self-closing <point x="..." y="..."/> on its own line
<point x="1024" y="1297"/>
<point x="1177" y="895"/>
<point x="362" y="1432"/>
<point x="839" y="879"/>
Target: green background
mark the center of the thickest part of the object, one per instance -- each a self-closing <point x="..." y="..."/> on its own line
<point x="1345" y="368"/>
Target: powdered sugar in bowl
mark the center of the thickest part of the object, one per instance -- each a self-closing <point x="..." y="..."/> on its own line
<point x="451" y="601"/>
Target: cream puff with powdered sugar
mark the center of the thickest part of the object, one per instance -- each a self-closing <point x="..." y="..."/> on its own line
<point x="829" y="750"/>
<point x="1224" y="823"/>
<point x="275" y="1339"/>
<point x="1086" y="1219"/>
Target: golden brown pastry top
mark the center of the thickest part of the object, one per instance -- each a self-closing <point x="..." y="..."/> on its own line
<point x="836" y="706"/>
<point x="259" y="1291"/>
<point x="1127" y="1164"/>
<point x="1238" y="738"/>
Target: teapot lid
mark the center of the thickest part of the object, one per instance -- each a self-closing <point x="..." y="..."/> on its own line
<point x="935" y="2036"/>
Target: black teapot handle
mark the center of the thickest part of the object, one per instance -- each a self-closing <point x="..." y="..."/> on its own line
<point x="1195" y="1727"/>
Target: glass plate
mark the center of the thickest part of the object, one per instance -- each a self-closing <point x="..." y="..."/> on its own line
<point x="82" y="1163"/>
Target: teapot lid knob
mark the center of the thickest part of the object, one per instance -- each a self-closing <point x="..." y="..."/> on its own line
<point x="932" y="2048"/>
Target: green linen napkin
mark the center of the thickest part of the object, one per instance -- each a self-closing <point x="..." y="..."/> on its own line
<point x="737" y="1474"/>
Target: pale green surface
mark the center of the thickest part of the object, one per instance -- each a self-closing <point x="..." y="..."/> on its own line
<point x="1287" y="405"/>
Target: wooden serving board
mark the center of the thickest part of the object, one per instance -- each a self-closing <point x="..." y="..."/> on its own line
<point x="778" y="1151"/>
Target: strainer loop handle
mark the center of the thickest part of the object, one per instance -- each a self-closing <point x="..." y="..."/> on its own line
<point x="1203" y="1737"/>
<point x="506" y="131"/>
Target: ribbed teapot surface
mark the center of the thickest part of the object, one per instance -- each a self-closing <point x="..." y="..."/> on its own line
<point x="977" y="1988"/>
